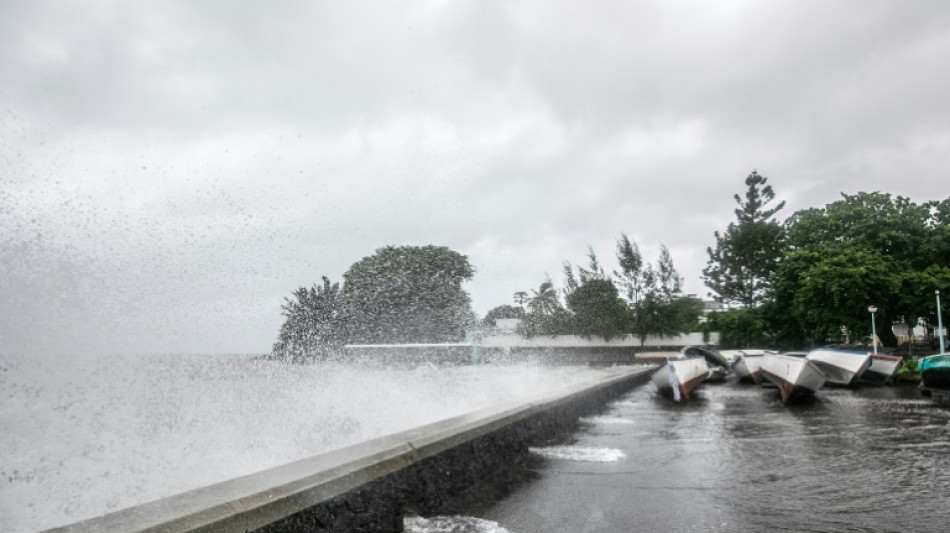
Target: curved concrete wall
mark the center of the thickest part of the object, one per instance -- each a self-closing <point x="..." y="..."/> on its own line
<point x="371" y="485"/>
<point x="513" y="349"/>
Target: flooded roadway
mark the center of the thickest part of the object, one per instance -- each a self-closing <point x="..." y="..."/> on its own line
<point x="736" y="459"/>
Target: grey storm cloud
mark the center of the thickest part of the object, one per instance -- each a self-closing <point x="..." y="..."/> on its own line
<point x="173" y="170"/>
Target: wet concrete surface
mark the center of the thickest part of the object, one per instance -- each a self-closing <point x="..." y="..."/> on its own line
<point x="736" y="459"/>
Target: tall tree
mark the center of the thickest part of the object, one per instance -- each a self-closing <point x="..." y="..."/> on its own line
<point x="630" y="275"/>
<point x="663" y="309"/>
<point x="593" y="270"/>
<point x="668" y="281"/>
<point x="741" y="266"/>
<point x="570" y="281"/>
<point x="409" y="294"/>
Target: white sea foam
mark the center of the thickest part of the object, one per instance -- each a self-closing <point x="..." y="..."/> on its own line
<point x="451" y="524"/>
<point x="580" y="453"/>
<point x="609" y="420"/>
<point x="83" y="436"/>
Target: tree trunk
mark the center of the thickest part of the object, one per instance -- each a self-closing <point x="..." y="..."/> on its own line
<point x="885" y="331"/>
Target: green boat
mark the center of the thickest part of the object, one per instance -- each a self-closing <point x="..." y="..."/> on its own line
<point x="935" y="372"/>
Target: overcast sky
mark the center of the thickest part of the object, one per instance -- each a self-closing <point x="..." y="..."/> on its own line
<point x="172" y="170"/>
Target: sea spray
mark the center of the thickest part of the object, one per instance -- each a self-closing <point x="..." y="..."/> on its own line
<point x="83" y="436"/>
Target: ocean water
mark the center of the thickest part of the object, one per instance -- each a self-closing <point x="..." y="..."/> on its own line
<point x="84" y="436"/>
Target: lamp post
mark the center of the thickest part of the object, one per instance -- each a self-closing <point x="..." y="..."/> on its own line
<point x="940" y="322"/>
<point x="873" y="309"/>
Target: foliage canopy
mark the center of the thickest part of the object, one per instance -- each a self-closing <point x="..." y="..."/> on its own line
<point x="400" y="294"/>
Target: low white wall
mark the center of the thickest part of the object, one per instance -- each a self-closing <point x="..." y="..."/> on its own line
<point x="575" y="341"/>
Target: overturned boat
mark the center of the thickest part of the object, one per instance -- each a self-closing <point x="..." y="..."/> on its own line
<point x="718" y="364"/>
<point x="679" y="377"/>
<point x="748" y="364"/>
<point x="794" y="375"/>
<point x="882" y="370"/>
<point x="840" y="366"/>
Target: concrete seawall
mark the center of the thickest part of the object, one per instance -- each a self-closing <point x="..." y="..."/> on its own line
<point x="372" y="485"/>
<point x="514" y="349"/>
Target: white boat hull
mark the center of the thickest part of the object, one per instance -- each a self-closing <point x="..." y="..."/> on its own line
<point x="679" y="377"/>
<point x="842" y="367"/>
<point x="882" y="370"/>
<point x="749" y="368"/>
<point x="794" y="376"/>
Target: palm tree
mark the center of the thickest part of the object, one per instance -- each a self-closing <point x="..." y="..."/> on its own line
<point x="545" y="300"/>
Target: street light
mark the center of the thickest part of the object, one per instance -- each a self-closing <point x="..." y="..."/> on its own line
<point x="873" y="309"/>
<point x="940" y="322"/>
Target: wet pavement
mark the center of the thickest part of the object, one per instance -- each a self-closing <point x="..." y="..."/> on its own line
<point x="736" y="459"/>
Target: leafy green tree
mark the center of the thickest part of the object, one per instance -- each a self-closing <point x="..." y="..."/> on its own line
<point x="830" y="287"/>
<point x="936" y="247"/>
<point x="896" y="250"/>
<point x="502" y="312"/>
<point x="685" y="313"/>
<point x="598" y="309"/>
<point x="560" y="322"/>
<point x="894" y="227"/>
<point x="741" y="266"/>
<point x="408" y="294"/>
<point x="314" y="323"/>
<point x="742" y="328"/>
<point x="916" y="296"/>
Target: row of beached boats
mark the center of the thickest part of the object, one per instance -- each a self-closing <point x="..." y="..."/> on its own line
<point x="796" y="374"/>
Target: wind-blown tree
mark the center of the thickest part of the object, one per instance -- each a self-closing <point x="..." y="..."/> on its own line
<point x="314" y="323"/>
<point x="405" y="294"/>
<point x="599" y="310"/>
<point x="544" y="299"/>
<point x="741" y="266"/>
<point x="570" y="281"/>
<point x="630" y="275"/>
<point x="649" y="318"/>
<point x="668" y="280"/>
<point x="663" y="310"/>
<point x="593" y="270"/>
